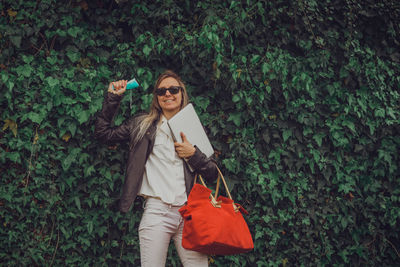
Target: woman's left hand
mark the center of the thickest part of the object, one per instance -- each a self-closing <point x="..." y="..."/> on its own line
<point x="185" y="149"/>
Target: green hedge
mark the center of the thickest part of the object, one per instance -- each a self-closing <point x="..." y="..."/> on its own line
<point x="300" y="98"/>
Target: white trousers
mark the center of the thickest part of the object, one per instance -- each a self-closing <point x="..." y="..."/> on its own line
<point x="161" y="222"/>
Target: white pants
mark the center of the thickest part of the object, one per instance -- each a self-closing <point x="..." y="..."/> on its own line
<point x="161" y="222"/>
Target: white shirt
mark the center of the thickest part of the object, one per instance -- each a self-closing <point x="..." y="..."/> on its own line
<point x="164" y="176"/>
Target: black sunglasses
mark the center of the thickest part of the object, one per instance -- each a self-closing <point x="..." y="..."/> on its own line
<point x="173" y="90"/>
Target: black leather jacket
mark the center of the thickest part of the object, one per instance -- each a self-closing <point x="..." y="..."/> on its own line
<point x="139" y="154"/>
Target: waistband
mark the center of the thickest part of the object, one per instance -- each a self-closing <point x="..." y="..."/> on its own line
<point x="158" y="201"/>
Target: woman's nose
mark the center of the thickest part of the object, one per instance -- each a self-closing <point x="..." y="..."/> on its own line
<point x="167" y="93"/>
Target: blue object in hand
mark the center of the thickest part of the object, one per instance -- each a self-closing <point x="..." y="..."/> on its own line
<point x="132" y="84"/>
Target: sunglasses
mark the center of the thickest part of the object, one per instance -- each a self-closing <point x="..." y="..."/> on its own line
<point x="173" y="90"/>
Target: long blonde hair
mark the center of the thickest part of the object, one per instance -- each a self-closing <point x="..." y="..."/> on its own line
<point x="155" y="110"/>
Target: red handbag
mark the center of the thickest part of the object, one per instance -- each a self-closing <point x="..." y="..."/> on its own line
<point x="214" y="225"/>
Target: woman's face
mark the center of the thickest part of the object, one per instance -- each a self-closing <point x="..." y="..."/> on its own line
<point x="170" y="103"/>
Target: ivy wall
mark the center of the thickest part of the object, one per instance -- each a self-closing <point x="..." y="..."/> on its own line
<point x="300" y="99"/>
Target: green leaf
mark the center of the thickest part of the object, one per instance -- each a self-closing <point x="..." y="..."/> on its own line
<point x="316" y="155"/>
<point x="89" y="170"/>
<point x="306" y="221"/>
<point x="146" y="50"/>
<point x="24" y="70"/>
<point x="188" y="37"/>
<point x="146" y="100"/>
<point x="89" y="226"/>
<point x="83" y="116"/>
<point x="11" y="85"/>
<point x="66" y="163"/>
<point x="4" y="76"/>
<point x="66" y="233"/>
<point x="13" y="156"/>
<point x="52" y="60"/>
<point x="36" y="117"/>
<point x="391" y="112"/>
<point x="255" y="59"/>
<point x="350" y="125"/>
<point x="61" y="33"/>
<point x="258" y="235"/>
<point x="286" y="134"/>
<point x="344" y="222"/>
<point x="69" y="181"/>
<point x="236" y="98"/>
<point x="201" y="102"/>
<point x="52" y="81"/>
<point x="72" y="128"/>
<point x="73" y="31"/>
<point x="231" y="164"/>
<point x="380" y="113"/>
<point x="265" y="68"/>
<point x="27" y="58"/>
<point x="16" y="40"/>
<point x="73" y="55"/>
<point x="236" y="118"/>
<point x="318" y="138"/>
<point x="77" y="202"/>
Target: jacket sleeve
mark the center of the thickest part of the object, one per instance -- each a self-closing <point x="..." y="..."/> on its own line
<point x="103" y="129"/>
<point x="206" y="167"/>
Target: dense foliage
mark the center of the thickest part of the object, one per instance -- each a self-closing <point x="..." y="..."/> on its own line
<point x="300" y="98"/>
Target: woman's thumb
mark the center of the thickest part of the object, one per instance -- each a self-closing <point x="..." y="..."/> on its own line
<point x="183" y="137"/>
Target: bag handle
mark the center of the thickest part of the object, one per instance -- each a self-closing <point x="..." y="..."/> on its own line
<point x="214" y="198"/>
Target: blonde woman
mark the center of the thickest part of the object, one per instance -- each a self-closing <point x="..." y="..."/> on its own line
<point x="155" y="168"/>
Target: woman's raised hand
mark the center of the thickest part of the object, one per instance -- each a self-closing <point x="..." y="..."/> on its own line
<point x="119" y="87"/>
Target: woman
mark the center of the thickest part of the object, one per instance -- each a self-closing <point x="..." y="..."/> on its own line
<point x="156" y="169"/>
